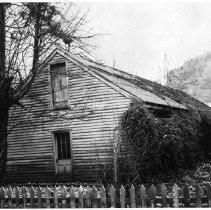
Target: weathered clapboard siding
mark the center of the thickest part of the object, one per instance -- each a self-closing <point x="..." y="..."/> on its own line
<point x="31" y="147"/>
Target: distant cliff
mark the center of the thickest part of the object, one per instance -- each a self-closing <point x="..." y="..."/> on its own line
<point x="194" y="78"/>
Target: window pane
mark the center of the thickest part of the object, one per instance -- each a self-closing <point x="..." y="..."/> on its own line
<point x="59" y="84"/>
<point x="63" y="145"/>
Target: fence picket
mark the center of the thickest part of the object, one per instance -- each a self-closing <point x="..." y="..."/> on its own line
<point x="72" y="197"/>
<point x="39" y="197"/>
<point x="55" y="198"/>
<point x="186" y="195"/>
<point x="209" y="194"/>
<point x="103" y="197"/>
<point x="122" y="197"/>
<point x="94" y="197"/>
<point x="132" y="197"/>
<point x="47" y="197"/>
<point x="143" y="196"/>
<point x="32" y="203"/>
<point x="17" y="199"/>
<point x="175" y="196"/>
<point x="113" y="196"/>
<point x="24" y="195"/>
<point x="164" y="195"/>
<point x="63" y="197"/>
<point x="9" y="193"/>
<point x="2" y="198"/>
<point x="198" y="196"/>
<point x="152" y="195"/>
<point x="87" y="199"/>
<point x="81" y="197"/>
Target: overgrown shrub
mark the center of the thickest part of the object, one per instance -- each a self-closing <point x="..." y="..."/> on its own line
<point x="159" y="149"/>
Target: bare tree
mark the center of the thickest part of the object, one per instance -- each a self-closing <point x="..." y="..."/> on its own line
<point x="28" y="31"/>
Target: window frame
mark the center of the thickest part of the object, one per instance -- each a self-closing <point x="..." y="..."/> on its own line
<point x="52" y="106"/>
<point x="55" y="150"/>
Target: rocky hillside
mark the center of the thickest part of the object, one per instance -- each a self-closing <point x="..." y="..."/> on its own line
<point x="194" y="78"/>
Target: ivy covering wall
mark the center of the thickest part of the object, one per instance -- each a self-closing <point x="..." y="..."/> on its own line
<point x="162" y="148"/>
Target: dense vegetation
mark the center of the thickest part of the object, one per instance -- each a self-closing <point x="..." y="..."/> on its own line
<point x="160" y="149"/>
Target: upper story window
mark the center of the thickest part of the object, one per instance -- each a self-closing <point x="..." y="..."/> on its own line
<point x="59" y="85"/>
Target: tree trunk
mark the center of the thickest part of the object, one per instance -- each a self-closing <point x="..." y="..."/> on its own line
<point x="4" y="95"/>
<point x="4" y="114"/>
<point x="2" y="42"/>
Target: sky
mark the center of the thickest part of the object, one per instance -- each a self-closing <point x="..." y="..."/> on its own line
<point x="137" y="36"/>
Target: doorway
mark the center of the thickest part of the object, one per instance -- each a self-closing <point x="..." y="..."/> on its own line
<point x="63" y="156"/>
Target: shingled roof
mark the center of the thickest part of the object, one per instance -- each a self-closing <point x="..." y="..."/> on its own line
<point x="136" y="87"/>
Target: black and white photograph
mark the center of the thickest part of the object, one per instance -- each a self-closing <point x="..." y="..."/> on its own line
<point x="105" y="104"/>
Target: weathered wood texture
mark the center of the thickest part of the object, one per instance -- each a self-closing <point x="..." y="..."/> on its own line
<point x="31" y="146"/>
<point x="99" y="196"/>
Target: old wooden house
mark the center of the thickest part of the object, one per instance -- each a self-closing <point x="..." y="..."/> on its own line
<point x="67" y="122"/>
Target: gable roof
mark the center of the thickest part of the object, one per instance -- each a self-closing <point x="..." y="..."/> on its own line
<point x="123" y="82"/>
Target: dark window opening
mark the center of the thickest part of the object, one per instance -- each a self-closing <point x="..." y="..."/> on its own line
<point x="63" y="145"/>
<point x="59" y="85"/>
<point x="161" y="113"/>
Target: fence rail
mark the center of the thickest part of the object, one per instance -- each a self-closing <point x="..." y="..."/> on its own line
<point x="95" y="197"/>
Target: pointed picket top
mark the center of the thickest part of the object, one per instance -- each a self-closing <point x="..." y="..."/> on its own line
<point x="186" y="195"/>
<point x="32" y="205"/>
<point x="153" y="191"/>
<point x="143" y="196"/>
<point x="164" y="195"/>
<point x="209" y="194"/>
<point x="94" y="192"/>
<point x="63" y="191"/>
<point x="80" y="189"/>
<point x="39" y="196"/>
<point x="164" y="190"/>
<point x="72" y="197"/>
<point x="24" y="194"/>
<point x="9" y="193"/>
<point x="47" y="197"/>
<point x="16" y="191"/>
<point x="39" y="190"/>
<point x="122" y="189"/>
<point x="132" y="197"/>
<point x="103" y="196"/>
<point x="2" y="197"/>
<point x="63" y="196"/>
<point x="94" y="197"/>
<point x="102" y="189"/>
<point x="152" y="195"/>
<point x="55" y="198"/>
<point x="198" y="196"/>
<point x="88" y="198"/>
<point x="47" y="193"/>
<point x="175" y="196"/>
<point x="2" y="192"/>
<point x="80" y="197"/>
<point x="17" y="194"/>
<point x="122" y="193"/>
<point x="32" y="191"/>
<point x="72" y="192"/>
<point x="113" y="196"/>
